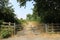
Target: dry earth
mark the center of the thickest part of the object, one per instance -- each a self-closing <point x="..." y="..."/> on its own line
<point x="36" y="37"/>
<point x="26" y="35"/>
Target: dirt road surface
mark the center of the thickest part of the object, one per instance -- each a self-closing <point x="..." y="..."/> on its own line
<point x="28" y="35"/>
<point x="36" y="37"/>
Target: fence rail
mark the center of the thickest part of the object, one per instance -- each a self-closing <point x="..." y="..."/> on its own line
<point x="8" y="26"/>
<point x="48" y="28"/>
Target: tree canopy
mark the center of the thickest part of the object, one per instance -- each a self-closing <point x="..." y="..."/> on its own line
<point x="7" y="12"/>
<point x="47" y="10"/>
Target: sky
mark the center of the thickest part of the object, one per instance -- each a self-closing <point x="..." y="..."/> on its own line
<point x="21" y="12"/>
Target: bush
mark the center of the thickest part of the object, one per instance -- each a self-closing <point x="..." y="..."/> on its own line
<point x="5" y="34"/>
<point x="1" y="22"/>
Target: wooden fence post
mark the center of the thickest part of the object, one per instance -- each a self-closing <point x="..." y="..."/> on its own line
<point x="52" y="28"/>
<point x="9" y="23"/>
<point x="14" y="28"/>
<point x="46" y="28"/>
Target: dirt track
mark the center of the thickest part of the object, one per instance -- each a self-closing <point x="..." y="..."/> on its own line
<point x="36" y="37"/>
<point x="26" y="35"/>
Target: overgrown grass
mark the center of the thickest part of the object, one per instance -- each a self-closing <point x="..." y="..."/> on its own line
<point x="6" y="32"/>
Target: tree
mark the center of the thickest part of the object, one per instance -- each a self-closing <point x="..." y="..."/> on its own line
<point x="7" y="12"/>
<point x="29" y="16"/>
<point x="47" y="10"/>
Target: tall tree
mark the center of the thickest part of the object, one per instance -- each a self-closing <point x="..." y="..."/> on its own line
<point x="7" y="12"/>
<point x="48" y="10"/>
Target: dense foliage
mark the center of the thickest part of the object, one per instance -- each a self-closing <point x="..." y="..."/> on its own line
<point x="31" y="17"/>
<point x="5" y="34"/>
<point x="7" y="12"/>
<point x="47" y="10"/>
